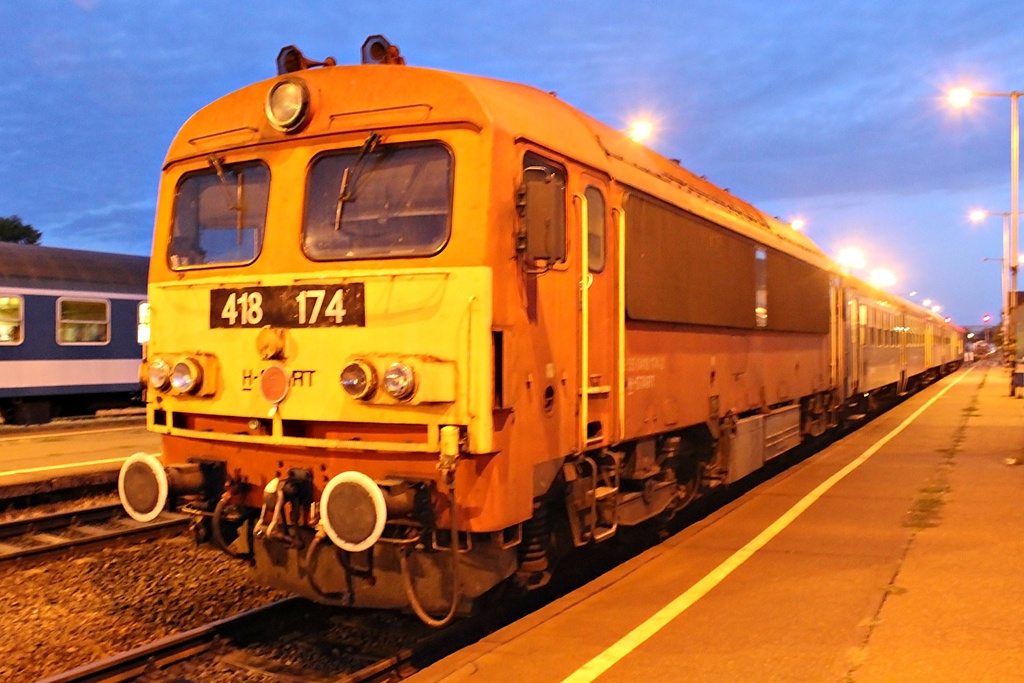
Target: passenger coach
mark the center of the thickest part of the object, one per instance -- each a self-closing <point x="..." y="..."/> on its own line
<point x="69" y="323"/>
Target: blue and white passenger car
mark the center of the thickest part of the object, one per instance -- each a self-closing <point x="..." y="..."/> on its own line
<point x="69" y="330"/>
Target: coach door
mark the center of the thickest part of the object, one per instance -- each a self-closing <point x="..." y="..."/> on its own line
<point x="856" y="319"/>
<point x="598" y="328"/>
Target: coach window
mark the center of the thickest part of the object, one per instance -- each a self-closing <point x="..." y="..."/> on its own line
<point x="760" y="287"/>
<point x="595" y="229"/>
<point x="12" y="318"/>
<point x="219" y="215"/>
<point x="83" y="322"/>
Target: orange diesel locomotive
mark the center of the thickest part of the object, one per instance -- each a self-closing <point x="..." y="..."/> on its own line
<point x="415" y="333"/>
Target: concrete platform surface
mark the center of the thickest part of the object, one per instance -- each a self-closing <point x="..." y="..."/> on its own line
<point x="29" y="456"/>
<point x="896" y="554"/>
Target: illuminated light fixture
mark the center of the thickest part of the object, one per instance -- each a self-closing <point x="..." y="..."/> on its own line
<point x="850" y="258"/>
<point x="798" y="224"/>
<point x="640" y="131"/>
<point x="978" y="215"/>
<point x="882" y="278"/>
<point x="960" y="97"/>
<point x="399" y="381"/>
<point x="936" y="308"/>
<point x="287" y="105"/>
<point x="159" y="374"/>
<point x="926" y="303"/>
<point x="359" y="380"/>
<point x="186" y="376"/>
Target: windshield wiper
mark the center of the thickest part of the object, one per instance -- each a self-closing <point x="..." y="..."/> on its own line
<point x="234" y="203"/>
<point x="347" y="177"/>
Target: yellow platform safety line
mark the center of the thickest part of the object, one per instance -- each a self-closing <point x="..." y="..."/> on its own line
<point x="604" y="661"/>
<point x="68" y="466"/>
<point x="50" y="435"/>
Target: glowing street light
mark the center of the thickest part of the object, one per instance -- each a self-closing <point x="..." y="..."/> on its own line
<point x="850" y="258"/>
<point x="640" y="131"/>
<point x="961" y="97"/>
<point x="798" y="224"/>
<point x="882" y="278"/>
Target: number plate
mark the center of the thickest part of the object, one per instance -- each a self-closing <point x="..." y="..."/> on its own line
<point x="295" y="306"/>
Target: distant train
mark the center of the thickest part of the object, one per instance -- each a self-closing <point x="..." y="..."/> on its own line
<point x="69" y="324"/>
<point x="417" y="333"/>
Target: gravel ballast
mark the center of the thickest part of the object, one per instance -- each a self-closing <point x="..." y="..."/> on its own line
<point x="63" y="613"/>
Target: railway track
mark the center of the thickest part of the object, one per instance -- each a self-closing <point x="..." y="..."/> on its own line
<point x="58" y="531"/>
<point x="229" y="643"/>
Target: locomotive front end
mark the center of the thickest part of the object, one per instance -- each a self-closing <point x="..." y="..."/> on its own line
<point x="320" y="361"/>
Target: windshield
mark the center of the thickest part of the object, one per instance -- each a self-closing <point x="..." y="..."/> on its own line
<point x="378" y="202"/>
<point x="219" y="215"/>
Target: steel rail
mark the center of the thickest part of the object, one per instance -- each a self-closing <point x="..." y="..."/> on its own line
<point x="32" y="536"/>
<point x="164" y="652"/>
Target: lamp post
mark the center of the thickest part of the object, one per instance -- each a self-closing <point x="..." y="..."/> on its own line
<point x="961" y="97"/>
<point x="1008" y="265"/>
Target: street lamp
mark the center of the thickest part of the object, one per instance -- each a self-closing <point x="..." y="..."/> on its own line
<point x="961" y="97"/>
<point x="640" y="131"/>
<point x="850" y="258"/>
<point x="1009" y="266"/>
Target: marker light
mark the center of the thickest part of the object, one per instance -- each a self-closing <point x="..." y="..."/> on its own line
<point x="399" y="381"/>
<point x="186" y="376"/>
<point x="287" y="105"/>
<point x="359" y="380"/>
<point x="159" y="374"/>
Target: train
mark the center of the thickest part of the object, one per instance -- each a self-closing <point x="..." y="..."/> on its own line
<point x="69" y="331"/>
<point x="416" y="335"/>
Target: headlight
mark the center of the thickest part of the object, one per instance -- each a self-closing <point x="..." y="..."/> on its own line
<point x="186" y="376"/>
<point x="159" y="374"/>
<point x="359" y="380"/>
<point x="287" y="104"/>
<point x="400" y="381"/>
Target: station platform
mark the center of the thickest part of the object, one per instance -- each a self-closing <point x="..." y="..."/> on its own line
<point x="67" y="455"/>
<point x="896" y="554"/>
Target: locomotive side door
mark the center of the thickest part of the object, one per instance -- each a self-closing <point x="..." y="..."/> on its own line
<point x="598" y="323"/>
<point x="550" y="260"/>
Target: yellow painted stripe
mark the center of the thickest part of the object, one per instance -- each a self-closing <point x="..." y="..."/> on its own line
<point x="68" y="466"/>
<point x="50" y="435"/>
<point x="604" y="661"/>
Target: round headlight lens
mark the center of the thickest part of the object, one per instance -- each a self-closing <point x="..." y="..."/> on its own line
<point x="287" y="104"/>
<point x="400" y="381"/>
<point x="185" y="376"/>
<point x="358" y="379"/>
<point x="159" y="374"/>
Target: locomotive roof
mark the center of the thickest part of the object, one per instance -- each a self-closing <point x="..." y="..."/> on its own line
<point x="33" y="266"/>
<point x="370" y="96"/>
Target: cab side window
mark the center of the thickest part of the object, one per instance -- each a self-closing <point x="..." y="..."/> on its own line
<point x="595" y="228"/>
